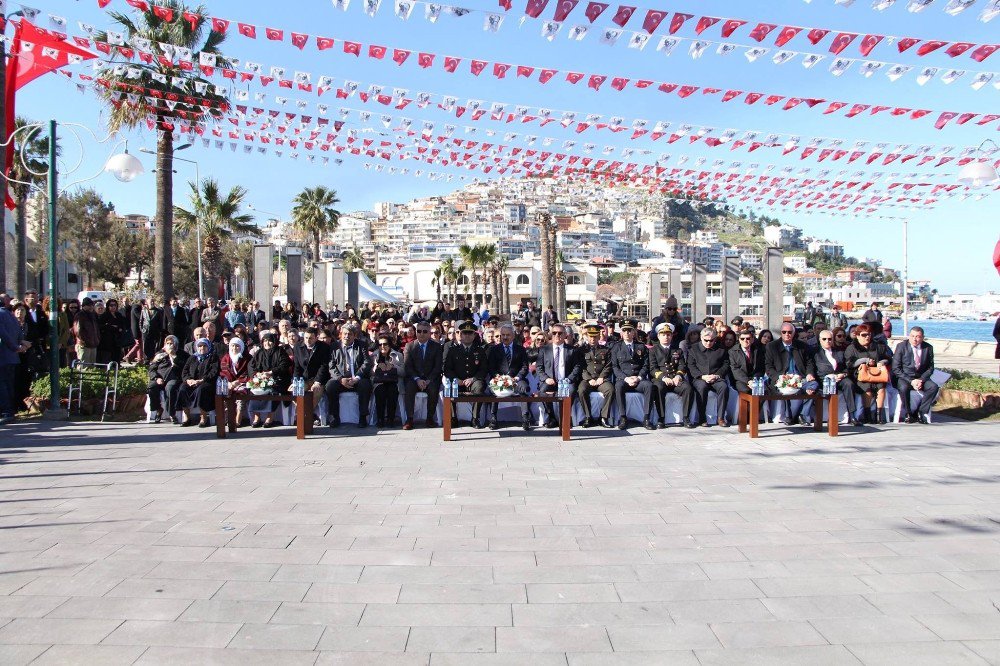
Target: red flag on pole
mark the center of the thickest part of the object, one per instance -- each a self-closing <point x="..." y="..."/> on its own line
<point x="996" y="256"/>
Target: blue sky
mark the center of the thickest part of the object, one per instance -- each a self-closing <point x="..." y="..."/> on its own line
<point x="951" y="245"/>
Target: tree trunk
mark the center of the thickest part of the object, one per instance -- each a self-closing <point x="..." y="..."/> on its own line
<point x="315" y="246"/>
<point x="561" y="296"/>
<point x="553" y="268"/>
<point x="163" y="248"/>
<point x="543" y="237"/>
<point x="21" y="246"/>
<point x="505" y="287"/>
<point x="3" y="160"/>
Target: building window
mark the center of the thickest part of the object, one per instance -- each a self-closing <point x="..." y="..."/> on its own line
<point x="522" y="281"/>
<point x="574" y="279"/>
<point x="463" y="281"/>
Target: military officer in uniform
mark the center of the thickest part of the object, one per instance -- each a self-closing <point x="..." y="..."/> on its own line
<point x="466" y="362"/>
<point x="596" y="376"/>
<point x="630" y="362"/>
<point x="667" y="371"/>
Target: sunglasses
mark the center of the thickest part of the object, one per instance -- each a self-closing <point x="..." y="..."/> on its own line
<point x="558" y="333"/>
<point x="671" y="309"/>
<point x="827" y="339"/>
<point x="788" y="332"/>
<point x="746" y="337"/>
<point x="864" y="335"/>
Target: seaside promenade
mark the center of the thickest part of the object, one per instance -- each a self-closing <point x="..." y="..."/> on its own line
<point x="129" y="543"/>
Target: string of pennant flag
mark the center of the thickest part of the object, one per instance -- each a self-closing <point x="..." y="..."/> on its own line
<point x="544" y="75"/>
<point x="952" y="7"/>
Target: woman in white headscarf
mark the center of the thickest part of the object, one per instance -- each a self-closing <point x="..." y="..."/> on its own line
<point x="234" y="367"/>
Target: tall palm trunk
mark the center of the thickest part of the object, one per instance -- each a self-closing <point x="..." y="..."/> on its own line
<point x="553" y="268"/>
<point x="315" y="246"/>
<point x="544" y="239"/>
<point x="163" y="249"/>
<point x="506" y="293"/>
<point x="21" y="244"/>
<point x="486" y="281"/>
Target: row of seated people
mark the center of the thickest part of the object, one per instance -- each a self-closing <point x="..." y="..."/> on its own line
<point x="613" y="371"/>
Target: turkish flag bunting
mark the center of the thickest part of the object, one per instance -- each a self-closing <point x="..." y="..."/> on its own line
<point x="958" y="48"/>
<point x="988" y="118"/>
<point x="905" y="43"/>
<point x="667" y="87"/>
<point x="399" y="56"/>
<point x="900" y="111"/>
<point x="842" y="41"/>
<point x="354" y="48"/>
<point x="752" y="98"/>
<point x="731" y="26"/>
<point x="731" y="94"/>
<point x="425" y="60"/>
<point x="704" y="23"/>
<point x="596" y="81"/>
<point x="525" y="71"/>
<point x="248" y="30"/>
<point x="324" y="43"/>
<point x="773" y="99"/>
<point x="573" y="77"/>
<point x="500" y="70"/>
<point x="220" y="25"/>
<point x="563" y="8"/>
<point x="164" y="13"/>
<point x="834" y="106"/>
<point x="856" y="109"/>
<point x="535" y="7"/>
<point x="299" y="39"/>
<point x="761" y="31"/>
<point x="545" y="75"/>
<point x="919" y="113"/>
<point x="965" y="117"/>
<point x="984" y="52"/>
<point x="623" y="15"/>
<point x="103" y="3"/>
<point x="451" y="63"/>
<point x="944" y="119"/>
<point x="686" y="91"/>
<point x="477" y="66"/>
<point x="138" y="4"/>
<point x="653" y="19"/>
<point x="678" y="21"/>
<point x="376" y="51"/>
<point x="192" y="18"/>
<point x="274" y="34"/>
<point x="786" y="35"/>
<point x="816" y="35"/>
<point x="930" y="47"/>
<point x="594" y="10"/>
<point x="619" y="83"/>
<point x="869" y="42"/>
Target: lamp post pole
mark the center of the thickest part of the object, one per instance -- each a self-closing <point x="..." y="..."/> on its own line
<point x="906" y="277"/>
<point x="55" y="410"/>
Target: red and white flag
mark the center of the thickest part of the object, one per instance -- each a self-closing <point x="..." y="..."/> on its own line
<point x="869" y="42"/>
<point x="653" y="19"/>
<point x="678" y="21"/>
<point x="731" y="26"/>
<point x="623" y="15"/>
<point x="786" y="35"/>
<point x="842" y="41"/>
<point x="816" y="35"/>
<point x="704" y="23"/>
<point x="761" y="31"/>
<point x="984" y="52"/>
<point x="248" y="30"/>
<point x="930" y="47"/>
<point x="563" y="9"/>
<point x="594" y="10"/>
<point x="535" y="7"/>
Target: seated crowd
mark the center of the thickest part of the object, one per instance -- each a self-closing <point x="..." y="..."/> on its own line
<point x="378" y="351"/>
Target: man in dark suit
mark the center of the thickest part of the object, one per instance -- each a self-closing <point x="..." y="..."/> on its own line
<point x="194" y="314"/>
<point x="790" y="356"/>
<point x="507" y="358"/>
<point x="311" y="362"/>
<point x="708" y="366"/>
<point x="422" y="362"/>
<point x="630" y="360"/>
<point x="668" y="372"/>
<point x="830" y="361"/>
<point x="556" y="361"/>
<point x="175" y="319"/>
<point x="255" y="315"/>
<point x="466" y="362"/>
<point x="350" y="371"/>
<point x="37" y="323"/>
<point x="912" y="366"/>
<point x="595" y="375"/>
<point x="151" y="327"/>
<point x="746" y="362"/>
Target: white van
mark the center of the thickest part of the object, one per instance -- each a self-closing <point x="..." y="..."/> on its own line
<point x="95" y="295"/>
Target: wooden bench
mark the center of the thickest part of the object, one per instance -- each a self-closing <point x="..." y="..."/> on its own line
<point x="225" y="411"/>
<point x="565" y="411"/>
<point x="749" y="412"/>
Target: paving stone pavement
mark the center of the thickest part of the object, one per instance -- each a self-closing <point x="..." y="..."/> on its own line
<point x="133" y="543"/>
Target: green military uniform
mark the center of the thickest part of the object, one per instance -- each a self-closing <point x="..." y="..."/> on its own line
<point x="468" y="361"/>
<point x="596" y="366"/>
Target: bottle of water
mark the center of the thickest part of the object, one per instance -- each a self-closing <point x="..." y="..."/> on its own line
<point x="295" y="387"/>
<point x="755" y="386"/>
<point x="218" y="386"/>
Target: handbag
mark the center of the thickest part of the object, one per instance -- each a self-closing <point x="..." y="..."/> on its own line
<point x="877" y="374"/>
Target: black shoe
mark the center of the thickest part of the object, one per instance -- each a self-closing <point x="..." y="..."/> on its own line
<point x="587" y="422"/>
<point x="477" y="424"/>
<point x="204" y="423"/>
<point x="188" y="423"/>
<point x="792" y="420"/>
<point x="724" y="422"/>
<point x="363" y="423"/>
<point x="551" y="423"/>
<point x="662" y="425"/>
<point x="690" y="424"/>
<point x="333" y="421"/>
<point x="805" y="421"/>
<point x="256" y="423"/>
<point x="622" y="423"/>
<point x="854" y="422"/>
<point x="648" y="425"/>
<point x="705" y="424"/>
<point x="175" y="420"/>
<point x="493" y="425"/>
<point x="380" y="423"/>
<point x="606" y="423"/>
<point x="526" y="425"/>
<point x="881" y="417"/>
<point x="270" y="424"/>
<point x="316" y="419"/>
<point x="924" y="419"/>
<point x="158" y="418"/>
<point x="454" y="422"/>
<point x="430" y="423"/>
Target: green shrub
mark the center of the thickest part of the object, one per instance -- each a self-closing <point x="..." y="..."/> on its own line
<point x="131" y="381"/>
<point x="962" y="380"/>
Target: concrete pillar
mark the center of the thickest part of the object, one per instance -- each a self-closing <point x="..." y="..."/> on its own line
<point x="774" y="289"/>
<point x="263" y="276"/>
<point x="655" y="294"/>
<point x="319" y="283"/>
<point x="352" y="290"/>
<point x="336" y="285"/>
<point x="730" y="288"/>
<point x="293" y="266"/>
<point x="674" y="283"/>
<point x="699" y="292"/>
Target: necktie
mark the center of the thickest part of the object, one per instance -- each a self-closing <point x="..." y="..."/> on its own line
<point x="631" y="350"/>
<point x="791" y="360"/>
<point x="748" y="356"/>
<point x="423" y="351"/>
<point x="508" y="353"/>
<point x="558" y="363"/>
<point x="916" y="356"/>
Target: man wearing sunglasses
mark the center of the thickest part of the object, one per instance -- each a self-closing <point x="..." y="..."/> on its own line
<point x="466" y="362"/>
<point x="830" y="361"/>
<point x="556" y="361"/>
<point x="630" y="360"/>
<point x="790" y="356"/>
<point x="671" y="315"/>
<point x="423" y="361"/>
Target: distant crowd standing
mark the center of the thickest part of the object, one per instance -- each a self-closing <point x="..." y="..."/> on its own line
<point x="383" y="351"/>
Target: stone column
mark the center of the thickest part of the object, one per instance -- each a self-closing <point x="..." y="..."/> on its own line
<point x="293" y="266"/>
<point x="730" y="288"/>
<point x="774" y="289"/>
<point x="263" y="276"/>
<point x="699" y="292"/>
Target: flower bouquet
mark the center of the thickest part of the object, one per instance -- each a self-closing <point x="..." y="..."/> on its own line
<point x="788" y="384"/>
<point x="261" y="384"/>
<point x="503" y="386"/>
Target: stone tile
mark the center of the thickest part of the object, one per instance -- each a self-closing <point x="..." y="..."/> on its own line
<point x="719" y="610"/>
<point x="185" y="656"/>
<point x="843" y="631"/>
<point x="812" y="586"/>
<point x="229" y="610"/>
<point x="591" y="614"/>
<point x="437" y="615"/>
<point x="687" y="590"/>
<point x="319" y="613"/>
<point x="174" y="634"/>
<point x="506" y="659"/>
<point x="19" y="606"/>
<point x="277" y="637"/>
<point x="672" y="657"/>
<point x="20" y="655"/>
<point x="809" y="608"/>
<point x="681" y="636"/>
<point x="816" y="655"/>
<point x="50" y="631"/>
<point x="565" y="574"/>
<point x="374" y="659"/>
<point x="568" y="593"/>
<point x="462" y="594"/>
<point x="916" y="654"/>
<point x="963" y="627"/>
<point x="766" y="634"/>
<point x="552" y="639"/>
<point x="374" y="593"/>
<point x="260" y="591"/>
<point x="213" y="571"/>
<point x="109" y="655"/>
<point x="482" y="575"/>
<point x="451" y="639"/>
<point x="318" y="573"/>
<point x="364" y="639"/>
<point x="124" y="608"/>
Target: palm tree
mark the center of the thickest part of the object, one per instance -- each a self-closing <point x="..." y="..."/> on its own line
<point x="503" y="282"/>
<point x="31" y="158"/>
<point x="353" y="260"/>
<point x="219" y="219"/>
<point x="314" y="214"/>
<point x="449" y="277"/>
<point x="487" y="255"/>
<point x="543" y="221"/>
<point x="158" y="77"/>
<point x="560" y="286"/>
<point x="459" y="272"/>
<point x="438" y="277"/>
<point x="471" y="259"/>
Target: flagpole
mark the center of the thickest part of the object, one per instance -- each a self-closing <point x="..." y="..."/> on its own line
<point x="55" y="412"/>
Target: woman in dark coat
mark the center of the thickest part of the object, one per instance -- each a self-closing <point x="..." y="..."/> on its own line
<point x="234" y="367"/>
<point x="273" y="360"/>
<point x="864" y="350"/>
<point x="198" y="388"/>
<point x="165" y="371"/>
<point x="113" y="325"/>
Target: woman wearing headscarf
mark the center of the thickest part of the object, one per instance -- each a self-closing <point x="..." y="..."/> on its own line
<point x="198" y="388"/>
<point x="386" y="373"/>
<point x="165" y="378"/>
<point x="234" y="367"/>
<point x="273" y="361"/>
